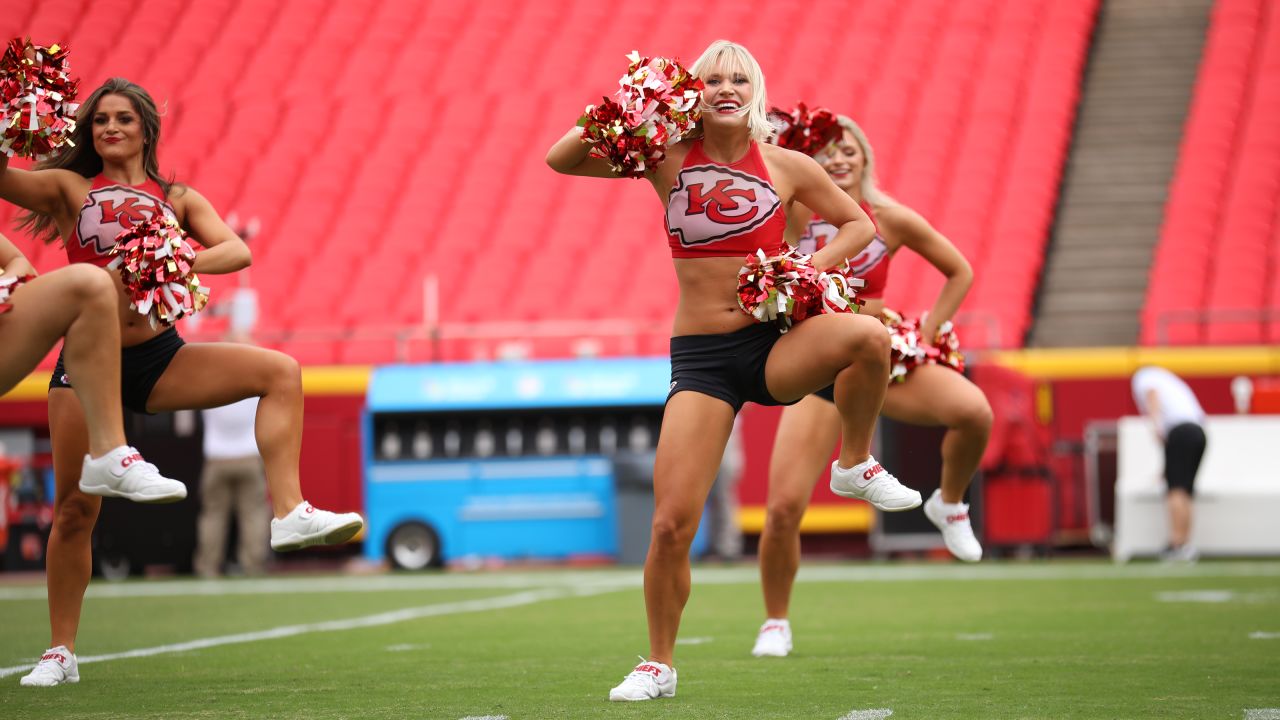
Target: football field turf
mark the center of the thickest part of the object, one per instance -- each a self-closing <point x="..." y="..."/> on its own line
<point x="1058" y="639"/>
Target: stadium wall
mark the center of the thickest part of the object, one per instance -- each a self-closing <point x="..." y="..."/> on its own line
<point x="1073" y="387"/>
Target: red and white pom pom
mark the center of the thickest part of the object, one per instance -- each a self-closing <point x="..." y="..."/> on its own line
<point x="7" y="286"/>
<point x="804" y="130"/>
<point x="908" y="351"/>
<point x="787" y="289"/>
<point x="655" y="106"/>
<point x="945" y="348"/>
<point x="155" y="261"/>
<point x="37" y="112"/>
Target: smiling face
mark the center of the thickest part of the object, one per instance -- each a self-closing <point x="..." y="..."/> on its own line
<point x="726" y="97"/>
<point x="118" y="134"/>
<point x="733" y="98"/>
<point x="844" y="161"/>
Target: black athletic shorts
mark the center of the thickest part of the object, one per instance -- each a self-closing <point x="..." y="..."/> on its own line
<point x="140" y="367"/>
<point x="1183" y="449"/>
<point x="728" y="366"/>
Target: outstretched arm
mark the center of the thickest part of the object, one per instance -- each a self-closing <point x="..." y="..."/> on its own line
<point x="1153" y="412"/>
<point x="41" y="191"/>
<point x="571" y="156"/>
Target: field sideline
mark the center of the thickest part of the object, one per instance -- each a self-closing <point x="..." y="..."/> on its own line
<point x="1058" y="639"/>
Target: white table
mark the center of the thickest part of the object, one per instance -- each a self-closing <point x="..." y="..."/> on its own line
<point x="1237" y="492"/>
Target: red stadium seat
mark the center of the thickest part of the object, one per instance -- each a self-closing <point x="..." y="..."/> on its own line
<point x="381" y="142"/>
<point x="1215" y="260"/>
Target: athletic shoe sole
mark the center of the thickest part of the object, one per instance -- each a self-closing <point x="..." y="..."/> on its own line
<point x="67" y="682"/>
<point x="332" y="536"/>
<point x="621" y="698"/>
<point x="879" y="506"/>
<point x="105" y="491"/>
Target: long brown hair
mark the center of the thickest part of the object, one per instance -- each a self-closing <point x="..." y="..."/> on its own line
<point x="82" y="158"/>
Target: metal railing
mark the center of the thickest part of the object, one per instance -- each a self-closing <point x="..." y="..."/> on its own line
<point x="435" y="339"/>
<point x="1201" y="318"/>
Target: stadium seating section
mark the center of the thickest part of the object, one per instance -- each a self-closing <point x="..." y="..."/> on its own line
<point x="384" y="141"/>
<point x="1216" y="274"/>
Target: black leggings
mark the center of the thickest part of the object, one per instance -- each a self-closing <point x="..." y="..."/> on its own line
<point x="141" y="366"/>
<point x="1183" y="449"/>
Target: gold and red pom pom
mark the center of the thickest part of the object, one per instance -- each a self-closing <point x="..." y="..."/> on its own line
<point x="908" y="351"/>
<point x="155" y="262"/>
<point x="804" y="130"/>
<point x="37" y="108"/>
<point x="787" y="289"/>
<point x="655" y="106"/>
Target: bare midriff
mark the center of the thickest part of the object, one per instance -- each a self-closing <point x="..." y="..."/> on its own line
<point x="134" y="326"/>
<point x="708" y="296"/>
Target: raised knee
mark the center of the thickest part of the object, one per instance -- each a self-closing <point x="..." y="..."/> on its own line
<point x="91" y="283"/>
<point x="877" y="339"/>
<point x="977" y="417"/>
<point x="285" y="372"/>
<point x="867" y="340"/>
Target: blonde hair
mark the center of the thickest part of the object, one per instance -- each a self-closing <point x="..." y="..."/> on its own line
<point x="730" y="57"/>
<point x="871" y="191"/>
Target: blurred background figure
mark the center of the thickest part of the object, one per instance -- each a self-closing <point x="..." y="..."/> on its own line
<point x="233" y="480"/>
<point x="725" y="532"/>
<point x="1177" y="418"/>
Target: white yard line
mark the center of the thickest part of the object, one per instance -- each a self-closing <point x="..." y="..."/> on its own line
<point x="618" y="578"/>
<point x="385" y="618"/>
<point x="1196" y="596"/>
<point x="1262" y="714"/>
<point x="694" y="641"/>
<point x="1263" y="635"/>
<point x="877" y="714"/>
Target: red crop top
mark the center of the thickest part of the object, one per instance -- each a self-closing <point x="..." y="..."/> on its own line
<point x="109" y="209"/>
<point x="720" y="210"/>
<point x="872" y="264"/>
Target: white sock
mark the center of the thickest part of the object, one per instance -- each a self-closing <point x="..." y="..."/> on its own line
<point x="117" y="454"/>
<point x="859" y="470"/>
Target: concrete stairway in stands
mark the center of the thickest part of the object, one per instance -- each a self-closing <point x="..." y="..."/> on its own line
<point x="1137" y="88"/>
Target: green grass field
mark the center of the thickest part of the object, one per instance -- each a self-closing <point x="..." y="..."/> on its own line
<point x="1046" y="640"/>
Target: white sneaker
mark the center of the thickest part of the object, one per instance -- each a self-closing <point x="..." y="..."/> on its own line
<point x="650" y="680"/>
<point x="869" y="481"/>
<point x="774" y="639"/>
<point x="56" y="667"/>
<point x="1182" y="555"/>
<point x="953" y="520"/>
<point x="305" y="526"/>
<point x="124" y="474"/>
